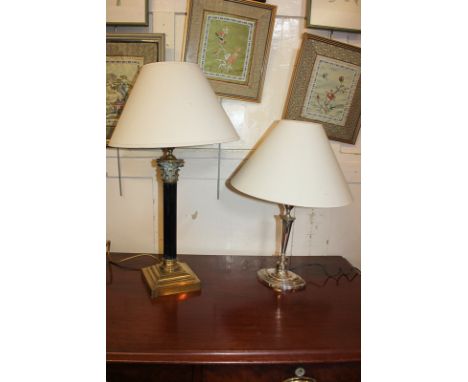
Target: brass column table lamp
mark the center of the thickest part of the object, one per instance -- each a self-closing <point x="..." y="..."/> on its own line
<point x="294" y="165"/>
<point x="171" y="105"/>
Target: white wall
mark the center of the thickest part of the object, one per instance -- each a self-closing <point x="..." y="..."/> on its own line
<point x="233" y="224"/>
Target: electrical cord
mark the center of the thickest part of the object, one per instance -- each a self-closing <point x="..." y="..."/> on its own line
<point x="350" y="276"/>
<point x="120" y="265"/>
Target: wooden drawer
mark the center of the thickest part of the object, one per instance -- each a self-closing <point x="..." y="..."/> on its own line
<point x="146" y="372"/>
<point x="338" y="372"/>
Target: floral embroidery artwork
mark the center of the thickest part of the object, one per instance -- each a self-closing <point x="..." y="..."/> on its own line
<point x="225" y="58"/>
<point x="226" y="47"/>
<point x="121" y="73"/>
<point x="330" y="91"/>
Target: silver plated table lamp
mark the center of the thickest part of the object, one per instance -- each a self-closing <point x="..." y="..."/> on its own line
<point x="293" y="164"/>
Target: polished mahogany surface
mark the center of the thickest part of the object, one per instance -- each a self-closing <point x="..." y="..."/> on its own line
<point x="235" y="319"/>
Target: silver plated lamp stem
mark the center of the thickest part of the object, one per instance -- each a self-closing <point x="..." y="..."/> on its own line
<point x="280" y="278"/>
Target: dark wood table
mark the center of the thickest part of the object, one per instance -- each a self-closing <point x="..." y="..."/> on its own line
<point x="235" y="329"/>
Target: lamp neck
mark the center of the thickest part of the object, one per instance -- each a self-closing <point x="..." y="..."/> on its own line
<point x="168" y="153"/>
<point x="287" y="222"/>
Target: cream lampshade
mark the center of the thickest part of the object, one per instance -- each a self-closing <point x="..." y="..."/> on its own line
<point x="293" y="165"/>
<point x="171" y="105"/>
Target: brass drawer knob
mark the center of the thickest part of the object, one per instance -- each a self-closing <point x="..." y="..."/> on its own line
<point x="300" y="372"/>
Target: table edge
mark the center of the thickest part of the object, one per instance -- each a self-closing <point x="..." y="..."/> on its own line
<point x="269" y="357"/>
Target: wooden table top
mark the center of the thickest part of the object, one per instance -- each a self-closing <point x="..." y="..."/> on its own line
<point x="235" y="319"/>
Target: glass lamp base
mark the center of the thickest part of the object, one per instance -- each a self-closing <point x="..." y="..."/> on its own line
<point x="281" y="281"/>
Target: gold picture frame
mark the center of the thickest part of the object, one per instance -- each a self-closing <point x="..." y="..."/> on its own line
<point x="326" y="87"/>
<point x="127" y="12"/>
<point x="230" y="40"/>
<point x="339" y="15"/>
<point x="125" y="55"/>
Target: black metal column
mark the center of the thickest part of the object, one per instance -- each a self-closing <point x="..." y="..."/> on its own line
<point x="170" y="221"/>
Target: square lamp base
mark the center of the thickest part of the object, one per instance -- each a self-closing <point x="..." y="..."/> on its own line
<point x="170" y="277"/>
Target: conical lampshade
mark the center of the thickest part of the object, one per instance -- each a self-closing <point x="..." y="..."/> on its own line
<point x="294" y="164"/>
<point x="171" y="105"/>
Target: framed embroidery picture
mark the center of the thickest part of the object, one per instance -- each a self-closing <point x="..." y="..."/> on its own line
<point x="342" y="15"/>
<point x="125" y="55"/>
<point x="326" y="87"/>
<point x="127" y="12"/>
<point x="230" y="41"/>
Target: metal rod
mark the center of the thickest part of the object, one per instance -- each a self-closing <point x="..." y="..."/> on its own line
<point x="219" y="171"/>
<point x="118" y="170"/>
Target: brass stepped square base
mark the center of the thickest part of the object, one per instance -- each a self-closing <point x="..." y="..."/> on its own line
<point x="176" y="278"/>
